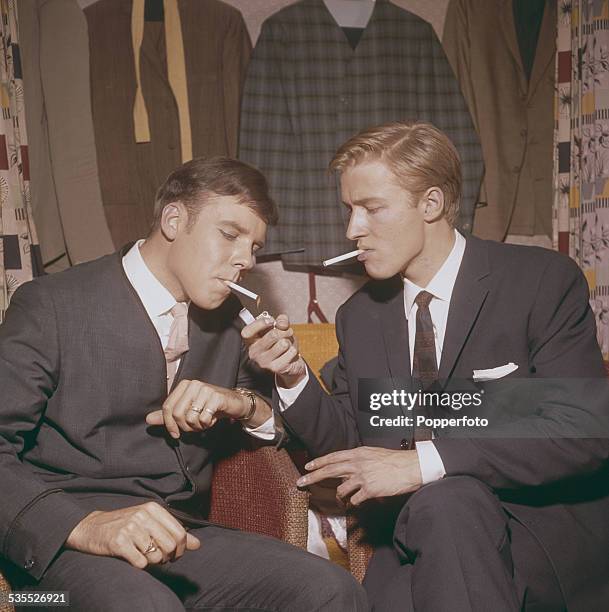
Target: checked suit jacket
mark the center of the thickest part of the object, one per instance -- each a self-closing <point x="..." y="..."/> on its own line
<point x="81" y="365"/>
<point x="514" y="304"/>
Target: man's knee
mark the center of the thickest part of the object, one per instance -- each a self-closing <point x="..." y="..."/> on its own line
<point x="451" y="495"/>
<point x="455" y="502"/>
<point x="99" y="584"/>
<point x="337" y="591"/>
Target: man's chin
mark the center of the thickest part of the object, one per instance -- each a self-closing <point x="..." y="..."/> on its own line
<point x="378" y="273"/>
<point x="211" y="302"/>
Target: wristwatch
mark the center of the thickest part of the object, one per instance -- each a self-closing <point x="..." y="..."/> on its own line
<point x="252" y="396"/>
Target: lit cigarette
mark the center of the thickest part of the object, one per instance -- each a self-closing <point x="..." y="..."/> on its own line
<point x="244" y="291"/>
<point x="330" y="262"/>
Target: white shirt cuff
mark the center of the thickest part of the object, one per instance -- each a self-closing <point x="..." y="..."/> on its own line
<point x="432" y="467"/>
<point x="266" y="431"/>
<point x="288" y="396"/>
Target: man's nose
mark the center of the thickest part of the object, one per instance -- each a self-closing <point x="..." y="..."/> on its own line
<point x="357" y="227"/>
<point x="244" y="259"/>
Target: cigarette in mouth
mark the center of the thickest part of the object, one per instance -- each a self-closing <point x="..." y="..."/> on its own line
<point x="244" y="291"/>
<point x="334" y="260"/>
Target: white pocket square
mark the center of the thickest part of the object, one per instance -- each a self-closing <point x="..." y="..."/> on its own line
<point x="494" y="373"/>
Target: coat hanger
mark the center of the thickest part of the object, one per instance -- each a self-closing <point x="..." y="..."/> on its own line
<point x="351" y="13"/>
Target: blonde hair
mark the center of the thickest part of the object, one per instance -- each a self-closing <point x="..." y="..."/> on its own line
<point x="419" y="155"/>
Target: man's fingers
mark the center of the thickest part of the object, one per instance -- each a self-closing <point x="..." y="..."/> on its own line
<point x="336" y="470"/>
<point x="194" y="397"/>
<point x="270" y="339"/>
<point x="134" y="556"/>
<point x="318" y="462"/>
<point x="192" y="542"/>
<point x="143" y="542"/>
<point x="255" y="329"/>
<point x="281" y="363"/>
<point x="169" y="407"/>
<point x="155" y="418"/>
<point x="347" y="488"/>
<point x="282" y="322"/>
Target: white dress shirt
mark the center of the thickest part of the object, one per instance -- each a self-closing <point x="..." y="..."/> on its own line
<point x="157" y="300"/>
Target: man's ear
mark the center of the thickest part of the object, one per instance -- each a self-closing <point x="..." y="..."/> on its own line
<point x="432" y="203"/>
<point x="171" y="218"/>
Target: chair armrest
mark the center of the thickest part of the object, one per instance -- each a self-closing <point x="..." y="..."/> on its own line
<point x="5" y="588"/>
<point x="255" y="490"/>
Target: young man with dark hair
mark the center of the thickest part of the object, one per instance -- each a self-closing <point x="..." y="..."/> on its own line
<point x="509" y="519"/>
<point x="112" y="376"/>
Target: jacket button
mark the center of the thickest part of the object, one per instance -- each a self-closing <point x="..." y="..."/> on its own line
<point x="29" y="564"/>
<point x="404" y="444"/>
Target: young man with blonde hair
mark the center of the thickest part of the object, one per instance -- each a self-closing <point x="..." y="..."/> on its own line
<point x="509" y="519"/>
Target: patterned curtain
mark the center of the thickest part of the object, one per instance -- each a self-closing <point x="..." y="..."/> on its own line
<point x="19" y="251"/>
<point x="581" y="164"/>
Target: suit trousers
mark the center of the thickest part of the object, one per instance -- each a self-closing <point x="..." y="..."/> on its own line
<point x="456" y="548"/>
<point x="232" y="570"/>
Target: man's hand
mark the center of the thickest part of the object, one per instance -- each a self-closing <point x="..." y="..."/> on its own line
<point x="194" y="405"/>
<point x="128" y="532"/>
<point x="367" y="472"/>
<point x="273" y="347"/>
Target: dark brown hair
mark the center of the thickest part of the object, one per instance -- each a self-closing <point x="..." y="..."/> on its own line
<point x="195" y="181"/>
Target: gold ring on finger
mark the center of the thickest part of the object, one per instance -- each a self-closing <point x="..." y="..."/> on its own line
<point x="195" y="408"/>
<point x="152" y="547"/>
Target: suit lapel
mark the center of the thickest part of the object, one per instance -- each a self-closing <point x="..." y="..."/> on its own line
<point x="395" y="332"/>
<point x="546" y="46"/>
<point x="508" y="27"/>
<point x="468" y="296"/>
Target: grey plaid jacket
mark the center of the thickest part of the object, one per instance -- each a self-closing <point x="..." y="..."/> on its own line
<point x="307" y="91"/>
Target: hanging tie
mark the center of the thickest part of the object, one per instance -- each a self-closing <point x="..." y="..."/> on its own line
<point x="176" y="73"/>
<point x="424" y="362"/>
<point x="177" y="344"/>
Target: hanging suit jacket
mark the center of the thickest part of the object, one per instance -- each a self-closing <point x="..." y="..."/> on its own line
<point x="515" y="304"/>
<point x="216" y="49"/>
<point x="65" y="192"/>
<point x="81" y="365"/>
<point x="514" y="118"/>
<point x="308" y="91"/>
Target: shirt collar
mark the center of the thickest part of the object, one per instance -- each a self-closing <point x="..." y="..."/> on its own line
<point x="157" y="300"/>
<point x="442" y="284"/>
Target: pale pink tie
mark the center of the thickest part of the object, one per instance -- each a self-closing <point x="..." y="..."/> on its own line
<point x="177" y="344"/>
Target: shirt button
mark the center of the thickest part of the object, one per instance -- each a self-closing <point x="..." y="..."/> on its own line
<point x="404" y="444"/>
<point x="29" y="564"/>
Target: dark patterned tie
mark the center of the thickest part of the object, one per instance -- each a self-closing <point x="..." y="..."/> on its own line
<point x="424" y="364"/>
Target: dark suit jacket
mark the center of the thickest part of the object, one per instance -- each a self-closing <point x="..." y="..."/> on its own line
<point x="510" y="304"/>
<point x="80" y="367"/>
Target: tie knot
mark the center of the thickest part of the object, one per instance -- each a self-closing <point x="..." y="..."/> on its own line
<point x="422" y="300"/>
<point x="179" y="310"/>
